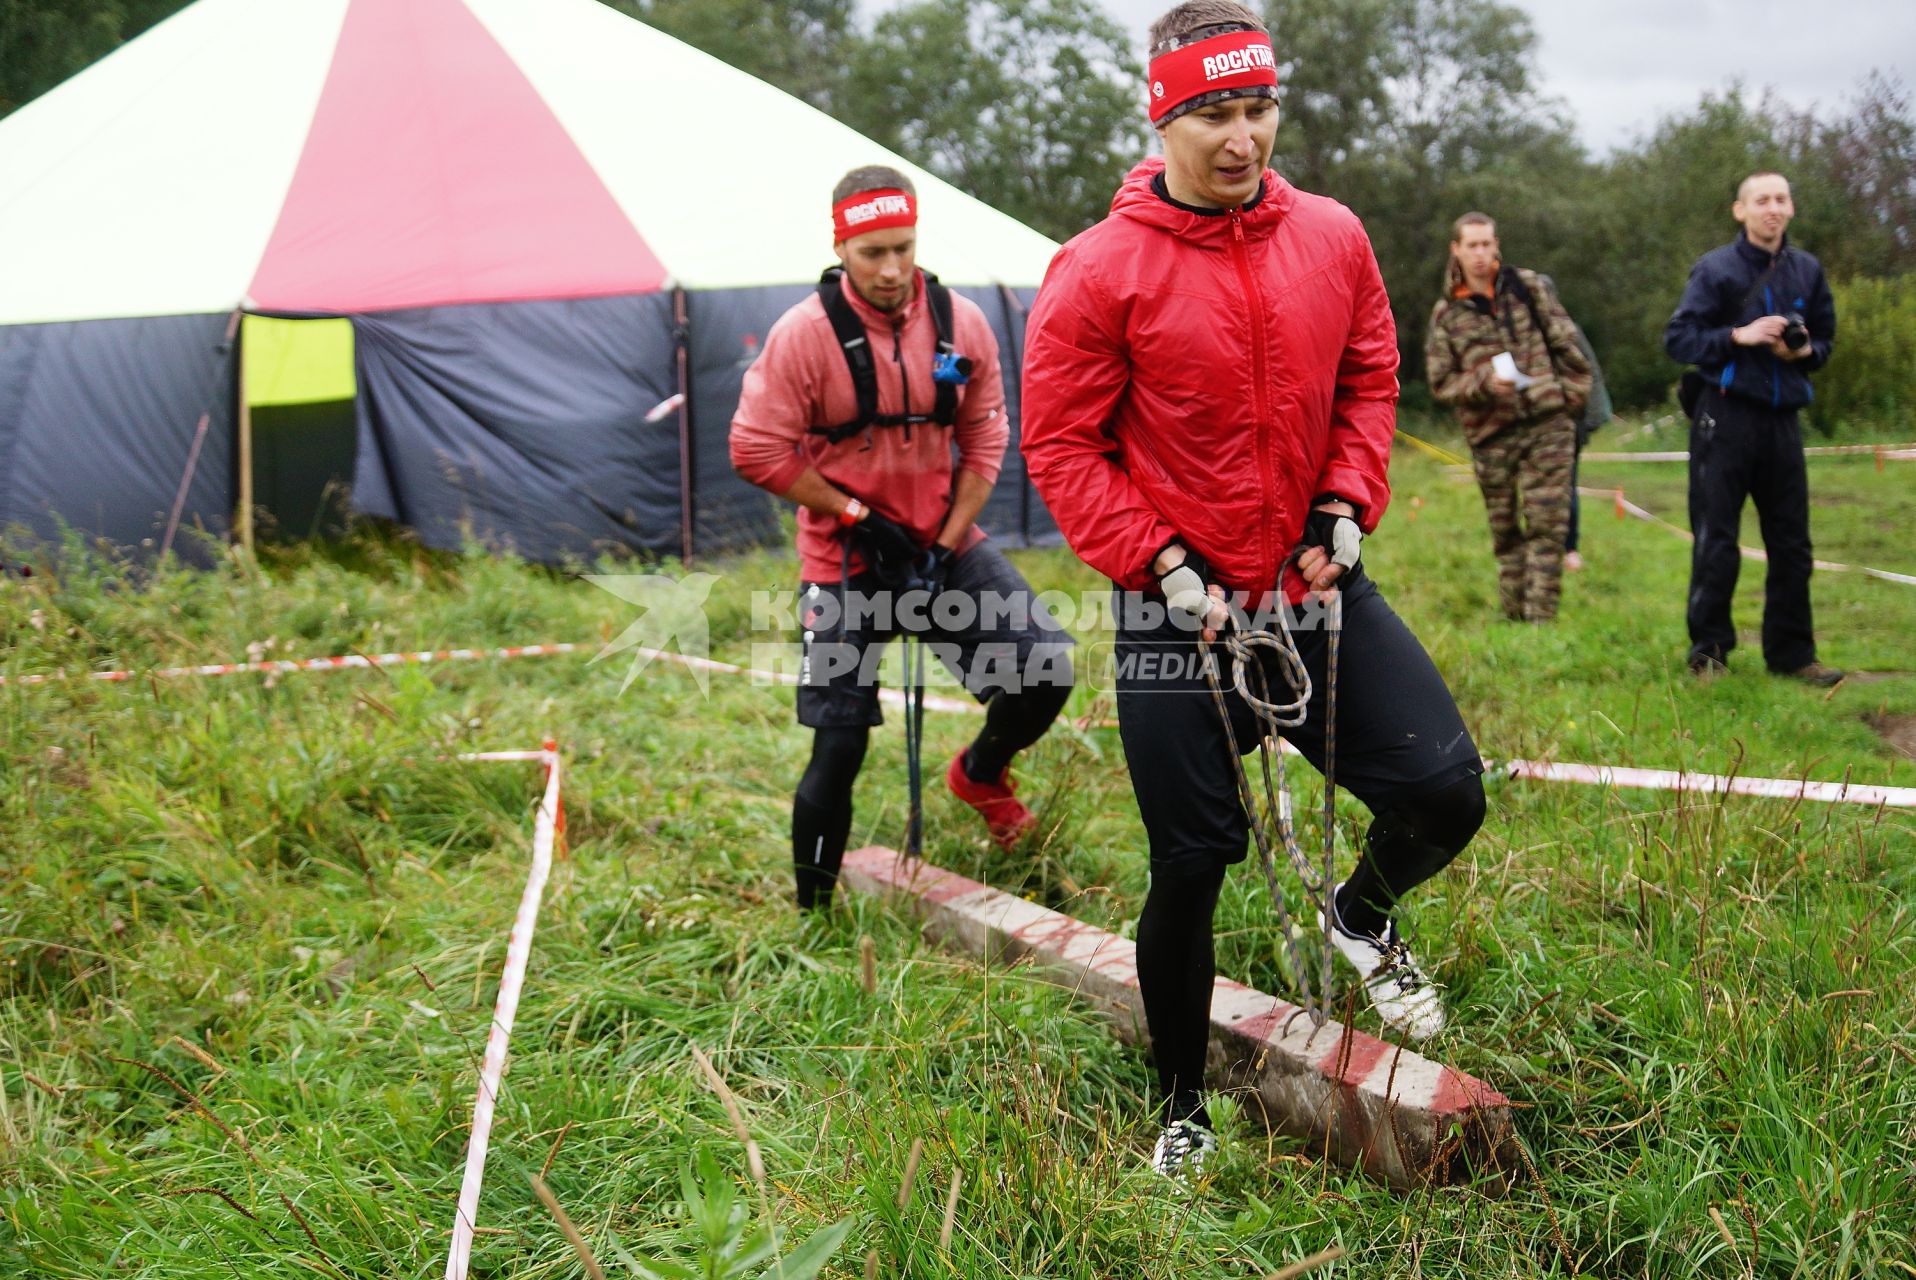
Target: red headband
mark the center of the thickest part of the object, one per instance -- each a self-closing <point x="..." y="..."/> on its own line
<point x="1227" y="66"/>
<point x="872" y="211"/>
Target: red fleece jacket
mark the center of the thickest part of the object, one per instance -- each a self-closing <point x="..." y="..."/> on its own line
<point x="1202" y="377"/>
<point x="800" y="381"/>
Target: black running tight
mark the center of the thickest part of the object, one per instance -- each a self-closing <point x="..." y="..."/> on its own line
<point x="822" y="811"/>
<point x="1407" y="844"/>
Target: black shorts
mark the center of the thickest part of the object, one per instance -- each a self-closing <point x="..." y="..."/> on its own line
<point x="1399" y="733"/>
<point x="986" y="627"/>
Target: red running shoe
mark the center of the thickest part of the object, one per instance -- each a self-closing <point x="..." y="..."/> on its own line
<point x="997" y="801"/>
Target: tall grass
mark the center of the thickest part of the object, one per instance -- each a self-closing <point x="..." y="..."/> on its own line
<point x="250" y="931"/>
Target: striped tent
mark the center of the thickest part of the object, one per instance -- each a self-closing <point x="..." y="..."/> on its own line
<point x="556" y="234"/>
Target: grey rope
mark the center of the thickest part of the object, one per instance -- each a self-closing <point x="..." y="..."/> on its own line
<point x="1271" y="823"/>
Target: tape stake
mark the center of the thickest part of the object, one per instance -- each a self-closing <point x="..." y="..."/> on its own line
<point x="493" y="1066"/>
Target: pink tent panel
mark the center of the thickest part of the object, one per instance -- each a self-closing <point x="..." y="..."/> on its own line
<point x="455" y="184"/>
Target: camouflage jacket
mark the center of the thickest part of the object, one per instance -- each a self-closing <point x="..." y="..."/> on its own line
<point x="1468" y="330"/>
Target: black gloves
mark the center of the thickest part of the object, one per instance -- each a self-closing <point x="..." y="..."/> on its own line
<point x="934" y="567"/>
<point x="890" y="552"/>
<point x="1185" y="587"/>
<point x="1338" y="535"/>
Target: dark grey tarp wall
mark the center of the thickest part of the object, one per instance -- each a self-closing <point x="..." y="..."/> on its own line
<point x="517" y="425"/>
<point x="521" y="425"/>
<point x="727" y="327"/>
<point x="97" y="424"/>
<point x="1015" y="510"/>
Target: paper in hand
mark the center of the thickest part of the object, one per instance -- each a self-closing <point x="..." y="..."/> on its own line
<point x="1505" y="366"/>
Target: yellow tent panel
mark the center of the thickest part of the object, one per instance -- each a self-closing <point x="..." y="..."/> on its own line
<point x="297" y="361"/>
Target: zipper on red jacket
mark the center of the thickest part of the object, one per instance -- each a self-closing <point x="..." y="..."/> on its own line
<point x="1241" y="251"/>
<point x="904" y="379"/>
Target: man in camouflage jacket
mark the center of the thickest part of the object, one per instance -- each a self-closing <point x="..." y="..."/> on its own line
<point x="1522" y="431"/>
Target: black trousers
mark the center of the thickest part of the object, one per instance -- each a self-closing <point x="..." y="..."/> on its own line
<point x="1399" y="733"/>
<point x="1402" y="749"/>
<point x="1740" y="449"/>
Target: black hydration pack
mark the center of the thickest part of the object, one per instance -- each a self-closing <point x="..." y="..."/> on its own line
<point x="949" y="369"/>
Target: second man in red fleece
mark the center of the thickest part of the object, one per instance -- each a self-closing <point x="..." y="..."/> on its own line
<point x="853" y="411"/>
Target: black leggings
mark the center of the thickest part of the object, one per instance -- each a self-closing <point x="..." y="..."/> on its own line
<point x="1406" y="845"/>
<point x="822" y="809"/>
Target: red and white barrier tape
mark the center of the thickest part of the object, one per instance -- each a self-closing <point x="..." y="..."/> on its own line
<point x="1712" y="784"/>
<point x="1602" y="775"/>
<point x="1883" y="453"/>
<point x="1625" y="507"/>
<point x="547" y="829"/>
<point x="344" y="662"/>
<point x="1595" y="775"/>
<point x="892" y="697"/>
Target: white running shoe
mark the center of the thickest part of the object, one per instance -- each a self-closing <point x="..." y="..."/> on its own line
<point x="1182" y="1149"/>
<point x="1403" y="997"/>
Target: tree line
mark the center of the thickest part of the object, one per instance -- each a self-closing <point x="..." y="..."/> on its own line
<point x="1408" y="111"/>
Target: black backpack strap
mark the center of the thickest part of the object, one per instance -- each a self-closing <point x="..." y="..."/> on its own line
<point x="1521" y="292"/>
<point x="945" y="409"/>
<point x="850" y="332"/>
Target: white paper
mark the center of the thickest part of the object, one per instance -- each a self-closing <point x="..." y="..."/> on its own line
<point x="1505" y="366"/>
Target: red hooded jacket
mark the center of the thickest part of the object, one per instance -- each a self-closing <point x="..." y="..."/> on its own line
<point x="1201" y="377"/>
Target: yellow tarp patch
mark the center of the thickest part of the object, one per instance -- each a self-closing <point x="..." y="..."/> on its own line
<point x="297" y="361"/>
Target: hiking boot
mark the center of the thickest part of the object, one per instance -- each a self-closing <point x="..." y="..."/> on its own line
<point x="1403" y="997"/>
<point x="997" y="801"/>
<point x="1182" y="1149"/>
<point x="1708" y="666"/>
<point x="1817" y="674"/>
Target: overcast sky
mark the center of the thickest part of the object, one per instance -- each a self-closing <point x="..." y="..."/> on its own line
<point x="1620" y="64"/>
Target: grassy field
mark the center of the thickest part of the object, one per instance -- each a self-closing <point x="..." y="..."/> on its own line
<point x="250" y="931"/>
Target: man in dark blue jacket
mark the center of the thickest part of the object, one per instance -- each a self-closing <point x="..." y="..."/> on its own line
<point x="1756" y="320"/>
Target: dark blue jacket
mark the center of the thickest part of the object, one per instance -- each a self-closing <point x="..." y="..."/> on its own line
<point x="1714" y="303"/>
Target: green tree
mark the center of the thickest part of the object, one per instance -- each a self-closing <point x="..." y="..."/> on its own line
<point x="801" y="46"/>
<point x="1410" y="112"/>
<point x="1034" y="106"/>
<point x="1667" y="202"/>
<point x="43" y="42"/>
<point x="1855" y="178"/>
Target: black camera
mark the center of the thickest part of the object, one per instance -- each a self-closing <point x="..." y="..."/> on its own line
<point x="1796" y="334"/>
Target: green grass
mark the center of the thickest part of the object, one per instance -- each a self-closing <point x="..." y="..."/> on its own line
<point x="1697" y="1005"/>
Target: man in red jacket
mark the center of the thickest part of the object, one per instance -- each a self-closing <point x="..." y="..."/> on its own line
<point x="1210" y="384"/>
<point x="852" y="410"/>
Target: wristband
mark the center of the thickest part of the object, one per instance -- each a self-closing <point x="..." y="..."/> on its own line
<point x="854" y="512"/>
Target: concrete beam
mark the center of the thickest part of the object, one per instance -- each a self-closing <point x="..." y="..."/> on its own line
<point x="1363" y="1102"/>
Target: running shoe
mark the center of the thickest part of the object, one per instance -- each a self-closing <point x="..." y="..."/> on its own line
<point x="997" y="801"/>
<point x="1182" y="1149"/>
<point x="1403" y="997"/>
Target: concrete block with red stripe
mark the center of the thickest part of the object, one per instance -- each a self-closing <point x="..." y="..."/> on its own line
<point x="1362" y="1101"/>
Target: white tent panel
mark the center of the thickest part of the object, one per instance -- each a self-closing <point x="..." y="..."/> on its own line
<point x="729" y="179"/>
<point x="149" y="183"/>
